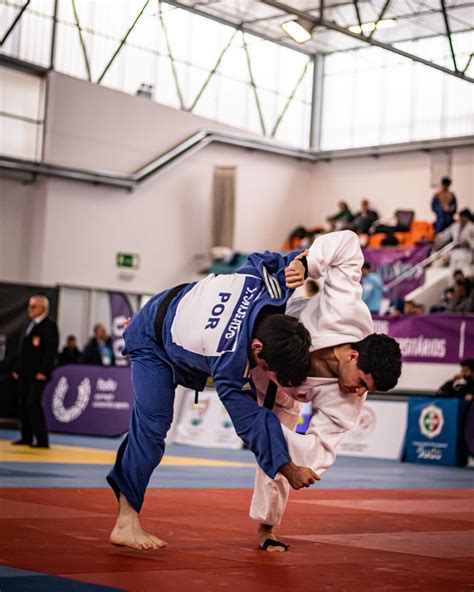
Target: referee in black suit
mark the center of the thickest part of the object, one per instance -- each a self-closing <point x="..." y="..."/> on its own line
<point x="36" y="359"/>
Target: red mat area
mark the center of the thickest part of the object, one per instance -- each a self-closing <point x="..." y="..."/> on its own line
<point x="357" y="541"/>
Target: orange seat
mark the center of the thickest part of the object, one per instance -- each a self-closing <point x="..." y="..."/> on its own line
<point x="420" y="230"/>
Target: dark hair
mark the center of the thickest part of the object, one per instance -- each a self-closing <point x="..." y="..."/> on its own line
<point x="446" y="181"/>
<point x="469" y="364"/>
<point x="380" y="356"/>
<point x="69" y="337"/>
<point x="285" y="349"/>
<point x="466" y="213"/>
<point x="366" y="266"/>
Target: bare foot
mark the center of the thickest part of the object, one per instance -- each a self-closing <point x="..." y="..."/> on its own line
<point x="128" y="532"/>
<point x="264" y="532"/>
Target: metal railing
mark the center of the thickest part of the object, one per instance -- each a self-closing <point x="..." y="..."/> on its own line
<point x="421" y="265"/>
<point x="204" y="138"/>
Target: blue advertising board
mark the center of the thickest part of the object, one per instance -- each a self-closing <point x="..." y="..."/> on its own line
<point x="433" y="431"/>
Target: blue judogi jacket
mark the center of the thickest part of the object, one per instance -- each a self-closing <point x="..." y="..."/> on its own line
<point x="207" y="331"/>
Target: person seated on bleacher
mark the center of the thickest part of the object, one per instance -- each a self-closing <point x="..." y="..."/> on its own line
<point x="342" y="219"/>
<point x="446" y="298"/>
<point x="463" y="299"/>
<point x="444" y="206"/>
<point x="461" y="385"/>
<point x="70" y="353"/>
<point x="364" y="219"/>
<point x="409" y="307"/>
<point x="462" y="234"/>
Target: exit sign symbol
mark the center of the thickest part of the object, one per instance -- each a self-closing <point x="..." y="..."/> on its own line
<point x="128" y="260"/>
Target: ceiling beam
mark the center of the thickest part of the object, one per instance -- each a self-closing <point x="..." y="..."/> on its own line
<point x="332" y="26"/>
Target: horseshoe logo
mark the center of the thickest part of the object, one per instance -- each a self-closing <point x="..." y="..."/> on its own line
<point x="68" y="414"/>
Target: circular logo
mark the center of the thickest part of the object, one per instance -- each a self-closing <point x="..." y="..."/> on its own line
<point x="366" y="424"/>
<point x="68" y="414"/>
<point x="431" y="421"/>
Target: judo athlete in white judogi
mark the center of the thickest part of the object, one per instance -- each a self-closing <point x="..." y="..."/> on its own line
<point x="347" y="359"/>
<point x="218" y="327"/>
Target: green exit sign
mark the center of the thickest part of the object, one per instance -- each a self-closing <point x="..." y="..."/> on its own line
<point x="128" y="260"/>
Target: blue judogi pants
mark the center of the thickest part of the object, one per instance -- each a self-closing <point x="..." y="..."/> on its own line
<point x="154" y="387"/>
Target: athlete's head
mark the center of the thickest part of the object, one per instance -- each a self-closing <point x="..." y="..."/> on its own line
<point x="281" y="344"/>
<point x="374" y="364"/>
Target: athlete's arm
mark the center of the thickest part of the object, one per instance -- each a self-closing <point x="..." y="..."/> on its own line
<point x="261" y="432"/>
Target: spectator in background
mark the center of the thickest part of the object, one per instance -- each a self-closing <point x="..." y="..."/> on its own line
<point x="364" y="219"/>
<point x="420" y="309"/>
<point x="462" y="300"/>
<point x="458" y="276"/>
<point x="70" y="353"/>
<point x="444" y="206"/>
<point x="98" y="351"/>
<point x="462" y="234"/>
<point x="35" y="363"/>
<point x="461" y="385"/>
<point x="446" y="298"/>
<point x="372" y="289"/>
<point x="410" y="307"/>
<point x="342" y="219"/>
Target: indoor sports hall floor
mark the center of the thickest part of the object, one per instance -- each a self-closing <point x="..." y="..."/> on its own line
<point x="368" y="525"/>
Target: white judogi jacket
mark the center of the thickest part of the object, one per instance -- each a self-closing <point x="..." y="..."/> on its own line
<point x="336" y="317"/>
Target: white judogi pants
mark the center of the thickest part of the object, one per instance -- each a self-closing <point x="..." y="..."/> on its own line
<point x="333" y="415"/>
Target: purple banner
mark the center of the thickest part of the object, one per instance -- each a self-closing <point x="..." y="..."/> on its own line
<point x="440" y="339"/>
<point x="120" y="310"/>
<point x="390" y="263"/>
<point x="91" y="400"/>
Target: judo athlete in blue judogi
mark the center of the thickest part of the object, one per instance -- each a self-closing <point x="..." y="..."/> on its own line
<point x="220" y="326"/>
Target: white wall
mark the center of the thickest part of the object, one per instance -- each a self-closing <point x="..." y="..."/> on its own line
<point x="390" y="182"/>
<point x="22" y="220"/>
<point x="167" y="220"/>
<point x="62" y="232"/>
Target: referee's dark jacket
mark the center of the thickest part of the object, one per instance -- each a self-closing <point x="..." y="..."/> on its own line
<point x="38" y="350"/>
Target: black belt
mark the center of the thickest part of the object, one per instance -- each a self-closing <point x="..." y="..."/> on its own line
<point x="270" y="395"/>
<point x="163" y="309"/>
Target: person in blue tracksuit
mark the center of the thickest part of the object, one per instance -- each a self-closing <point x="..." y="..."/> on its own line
<point x="219" y="327"/>
<point x="372" y="288"/>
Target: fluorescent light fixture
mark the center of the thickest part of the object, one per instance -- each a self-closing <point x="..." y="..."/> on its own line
<point x="369" y="27"/>
<point x="299" y="30"/>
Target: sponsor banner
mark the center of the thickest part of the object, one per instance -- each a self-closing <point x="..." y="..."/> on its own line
<point x="390" y="263"/>
<point x="379" y="433"/>
<point x="445" y="339"/>
<point x="205" y="424"/>
<point x="433" y="432"/>
<point x="91" y="400"/>
<point x="120" y="311"/>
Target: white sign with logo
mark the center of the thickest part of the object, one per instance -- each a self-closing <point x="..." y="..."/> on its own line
<point x="205" y="424"/>
<point x="380" y="432"/>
